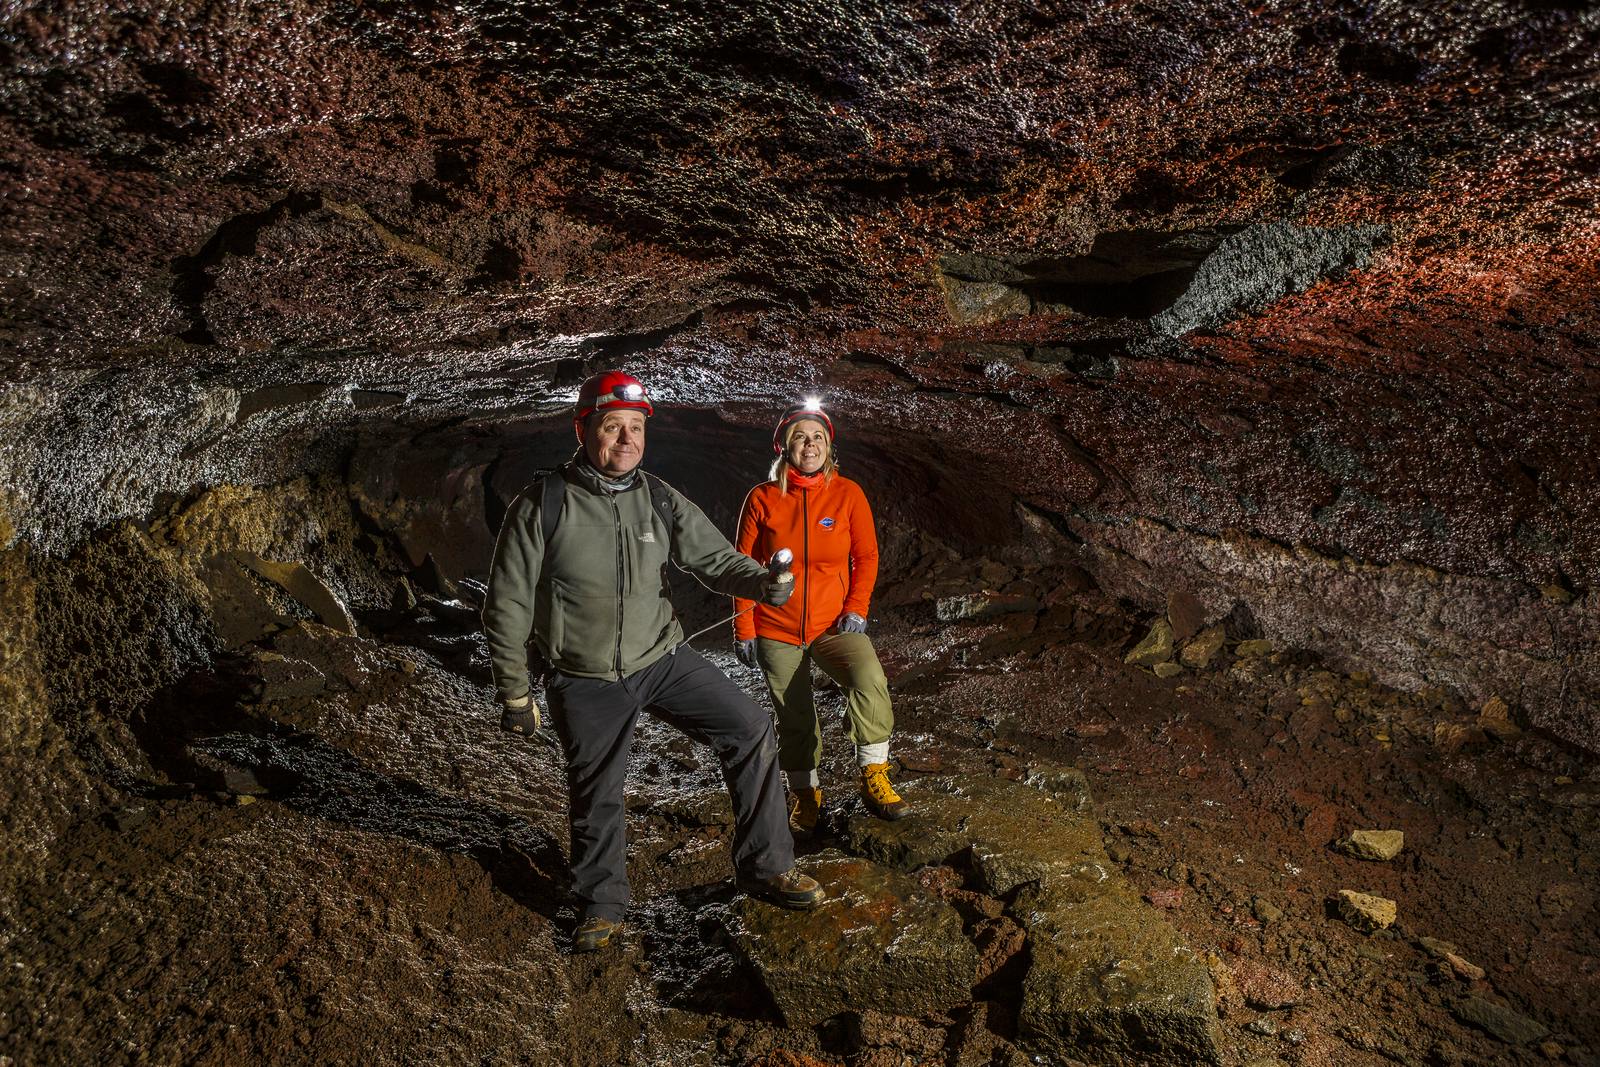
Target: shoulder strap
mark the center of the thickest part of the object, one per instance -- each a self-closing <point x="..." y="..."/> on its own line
<point x="553" y="489"/>
<point x="661" y="500"/>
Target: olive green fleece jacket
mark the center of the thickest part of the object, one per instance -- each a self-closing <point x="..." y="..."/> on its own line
<point x="596" y="599"/>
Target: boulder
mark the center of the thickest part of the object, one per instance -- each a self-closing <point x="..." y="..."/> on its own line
<point x="1199" y="652"/>
<point x="1381" y="845"/>
<point x="1109" y="981"/>
<point x="1109" y="984"/>
<point x="880" y="943"/>
<point x="1155" y="648"/>
<point x="1185" y="613"/>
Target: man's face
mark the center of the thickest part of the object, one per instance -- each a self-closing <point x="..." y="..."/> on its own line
<point x="614" y="443"/>
<point x="808" y="446"/>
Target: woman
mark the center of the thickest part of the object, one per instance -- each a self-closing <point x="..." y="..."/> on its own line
<point x="823" y="518"/>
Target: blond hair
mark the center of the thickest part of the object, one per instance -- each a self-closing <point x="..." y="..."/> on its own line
<point x="780" y="466"/>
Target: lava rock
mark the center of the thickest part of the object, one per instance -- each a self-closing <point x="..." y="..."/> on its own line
<point x="1155" y="648"/>
<point x="1381" y="845"/>
<point x="1364" y="911"/>
<point x="880" y="942"/>
<point x="1497" y="1020"/>
<point x="1185" y="614"/>
<point x="982" y="605"/>
<point x="1199" y="652"/>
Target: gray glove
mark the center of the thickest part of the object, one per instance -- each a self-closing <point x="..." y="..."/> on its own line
<point x="520" y="716"/>
<point x="776" y="593"/>
<point x="851" y="624"/>
<point x="746" y="651"/>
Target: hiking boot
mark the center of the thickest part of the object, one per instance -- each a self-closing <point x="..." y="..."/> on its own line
<point x="594" y="934"/>
<point x="791" y="889"/>
<point x="879" y="795"/>
<point x="805" y="812"/>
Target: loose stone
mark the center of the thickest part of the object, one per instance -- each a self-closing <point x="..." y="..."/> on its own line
<point x="1379" y="845"/>
<point x="1365" y="911"/>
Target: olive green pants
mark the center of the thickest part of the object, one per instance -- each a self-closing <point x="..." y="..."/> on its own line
<point x="846" y="658"/>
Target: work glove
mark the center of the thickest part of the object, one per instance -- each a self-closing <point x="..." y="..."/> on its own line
<point x="775" y="594"/>
<point x="520" y="716"/>
<point x="746" y="651"/>
<point x="851" y="623"/>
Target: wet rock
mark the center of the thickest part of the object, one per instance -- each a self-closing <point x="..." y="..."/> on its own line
<point x="1166" y="670"/>
<point x="1016" y="832"/>
<point x="880" y="942"/>
<point x="982" y="605"/>
<point x="1108" y="985"/>
<point x="1259" y="646"/>
<point x="874" y="1029"/>
<point x="1185" y="614"/>
<point x="1497" y="1020"/>
<point x="1381" y="845"/>
<point x="1155" y="648"/>
<point x="1199" y="652"/>
<point x="1365" y="911"/>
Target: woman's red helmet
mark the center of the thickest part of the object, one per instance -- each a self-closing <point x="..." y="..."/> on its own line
<point x="811" y="409"/>
<point x="608" y="391"/>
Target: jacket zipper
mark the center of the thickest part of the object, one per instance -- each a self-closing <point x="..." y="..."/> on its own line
<point x="805" y="558"/>
<point x="616" y="514"/>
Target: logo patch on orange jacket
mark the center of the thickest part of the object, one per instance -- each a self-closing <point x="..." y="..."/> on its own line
<point x="826" y="522"/>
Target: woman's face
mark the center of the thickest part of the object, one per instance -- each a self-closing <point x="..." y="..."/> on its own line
<point x="808" y="446"/>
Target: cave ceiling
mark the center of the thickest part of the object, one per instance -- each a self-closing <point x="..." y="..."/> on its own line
<point x="1324" y="273"/>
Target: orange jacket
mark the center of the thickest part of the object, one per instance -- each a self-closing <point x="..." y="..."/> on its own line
<point x="829" y="529"/>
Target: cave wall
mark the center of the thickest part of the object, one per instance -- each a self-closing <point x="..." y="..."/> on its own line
<point x="1287" y="304"/>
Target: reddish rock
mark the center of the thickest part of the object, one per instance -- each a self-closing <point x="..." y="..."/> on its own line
<point x="1166" y="898"/>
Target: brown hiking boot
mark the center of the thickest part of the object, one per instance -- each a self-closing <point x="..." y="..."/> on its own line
<point x="791" y="889"/>
<point x="879" y="795"/>
<point x="594" y="934"/>
<point x="805" y="812"/>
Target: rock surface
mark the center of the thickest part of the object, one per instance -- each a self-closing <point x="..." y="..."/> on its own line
<point x="1108" y="981"/>
<point x="879" y="943"/>
<point x="1366" y="911"/>
<point x="1381" y="845"/>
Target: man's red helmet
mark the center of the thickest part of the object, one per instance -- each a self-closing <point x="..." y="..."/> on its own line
<point x="811" y="409"/>
<point x="608" y="391"/>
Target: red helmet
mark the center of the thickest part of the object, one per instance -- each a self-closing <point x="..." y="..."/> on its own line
<point x="811" y="409"/>
<point x="607" y="391"/>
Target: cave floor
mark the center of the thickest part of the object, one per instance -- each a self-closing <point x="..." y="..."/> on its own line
<point x="384" y="882"/>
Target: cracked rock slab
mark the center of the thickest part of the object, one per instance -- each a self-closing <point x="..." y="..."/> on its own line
<point x="880" y="942"/>
<point x="1109" y="982"/>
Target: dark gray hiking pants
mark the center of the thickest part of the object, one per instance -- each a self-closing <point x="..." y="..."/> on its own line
<point x="595" y="720"/>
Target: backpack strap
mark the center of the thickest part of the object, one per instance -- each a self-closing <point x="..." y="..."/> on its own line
<point x="661" y="500"/>
<point x="553" y="490"/>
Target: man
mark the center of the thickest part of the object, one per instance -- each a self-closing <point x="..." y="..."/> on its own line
<point x="595" y="601"/>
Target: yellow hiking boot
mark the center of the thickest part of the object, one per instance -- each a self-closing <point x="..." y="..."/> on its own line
<point x="880" y="796"/>
<point x="805" y="812"/>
